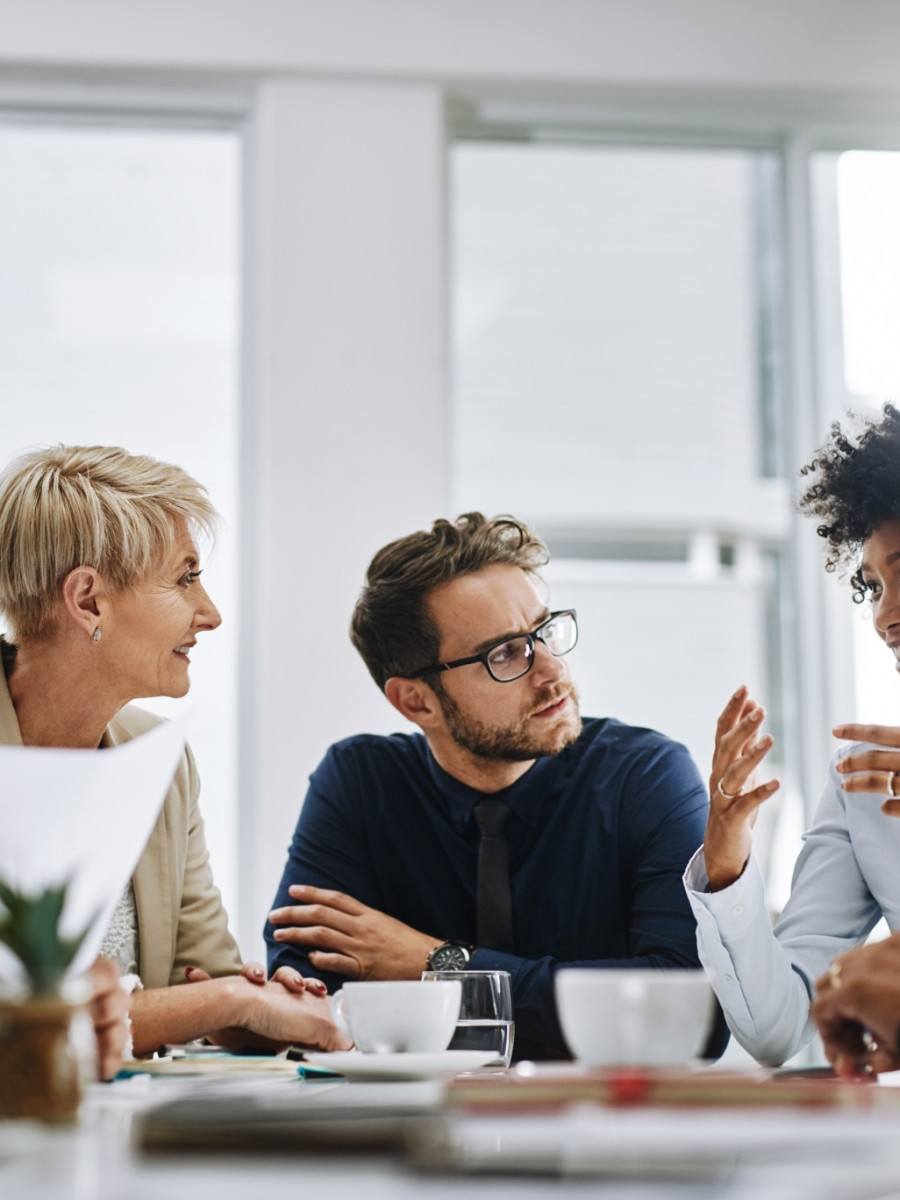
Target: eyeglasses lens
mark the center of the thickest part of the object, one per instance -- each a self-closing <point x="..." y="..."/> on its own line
<point x="511" y="659"/>
<point x="558" y="635"/>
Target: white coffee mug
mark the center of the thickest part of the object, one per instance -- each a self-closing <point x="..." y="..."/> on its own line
<point x="652" y="1017"/>
<point x="396" y="1016"/>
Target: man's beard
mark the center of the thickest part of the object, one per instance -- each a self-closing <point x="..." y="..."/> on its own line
<point x="516" y="743"/>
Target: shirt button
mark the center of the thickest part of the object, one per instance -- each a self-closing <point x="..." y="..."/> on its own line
<point x="728" y="978"/>
<point x="737" y="909"/>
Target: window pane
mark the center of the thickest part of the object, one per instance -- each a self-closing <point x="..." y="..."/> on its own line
<point x="608" y="317"/>
<point x="868" y="203"/>
<point x="615" y="377"/>
<point x="118" y="324"/>
<point x="856" y="198"/>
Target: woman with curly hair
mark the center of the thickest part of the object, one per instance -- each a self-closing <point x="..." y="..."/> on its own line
<point x="845" y="878"/>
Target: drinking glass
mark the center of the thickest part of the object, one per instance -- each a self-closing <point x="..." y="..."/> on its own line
<point x="485" y="1013"/>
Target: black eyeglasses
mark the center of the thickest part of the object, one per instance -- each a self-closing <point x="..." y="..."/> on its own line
<point x="514" y="657"/>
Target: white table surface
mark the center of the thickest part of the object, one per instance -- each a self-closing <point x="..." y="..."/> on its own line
<point x="639" y="1154"/>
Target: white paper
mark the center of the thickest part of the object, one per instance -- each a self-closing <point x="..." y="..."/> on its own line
<point x="82" y="816"/>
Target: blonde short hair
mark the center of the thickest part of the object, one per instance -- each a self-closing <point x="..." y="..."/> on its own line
<point x="98" y="506"/>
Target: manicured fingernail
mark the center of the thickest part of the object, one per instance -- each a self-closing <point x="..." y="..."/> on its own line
<point x="839" y="730"/>
<point x="278" y="934"/>
<point x="297" y="889"/>
<point x="275" y="914"/>
<point x="257" y="972"/>
<point x="756" y="716"/>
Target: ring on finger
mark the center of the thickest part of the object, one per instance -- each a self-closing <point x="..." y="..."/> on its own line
<point x="727" y="795"/>
<point x="834" y="974"/>
<point x="869" y="1041"/>
<point x="889" y="786"/>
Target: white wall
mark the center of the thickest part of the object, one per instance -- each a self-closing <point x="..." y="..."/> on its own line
<point x="792" y="44"/>
<point x="344" y="395"/>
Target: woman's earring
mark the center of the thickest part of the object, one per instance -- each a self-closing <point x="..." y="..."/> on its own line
<point x="97" y="634"/>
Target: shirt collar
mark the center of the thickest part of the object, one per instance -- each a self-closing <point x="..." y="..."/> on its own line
<point x="525" y="797"/>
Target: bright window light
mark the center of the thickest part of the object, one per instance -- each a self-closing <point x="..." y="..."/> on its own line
<point x="119" y="325"/>
<point x="869" y="201"/>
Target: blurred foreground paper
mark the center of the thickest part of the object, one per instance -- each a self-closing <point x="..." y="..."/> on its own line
<point x="83" y="816"/>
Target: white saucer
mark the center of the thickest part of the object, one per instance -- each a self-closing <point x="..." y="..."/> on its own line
<point x="445" y="1063"/>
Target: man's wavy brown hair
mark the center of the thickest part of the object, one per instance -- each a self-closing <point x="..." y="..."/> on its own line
<point x="391" y="626"/>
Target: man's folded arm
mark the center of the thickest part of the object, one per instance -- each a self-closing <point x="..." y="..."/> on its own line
<point x="326" y="851"/>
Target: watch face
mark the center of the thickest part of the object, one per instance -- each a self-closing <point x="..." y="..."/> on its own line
<point x="448" y="958"/>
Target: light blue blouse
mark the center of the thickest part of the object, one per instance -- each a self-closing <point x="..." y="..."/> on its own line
<point x="846" y="878"/>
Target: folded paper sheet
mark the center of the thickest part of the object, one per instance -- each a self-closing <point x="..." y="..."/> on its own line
<point x="82" y="816"/>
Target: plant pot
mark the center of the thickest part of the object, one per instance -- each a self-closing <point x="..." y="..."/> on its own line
<point x="40" y="1071"/>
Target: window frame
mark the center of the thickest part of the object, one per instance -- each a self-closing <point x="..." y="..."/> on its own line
<point x="817" y="687"/>
<point x="158" y="108"/>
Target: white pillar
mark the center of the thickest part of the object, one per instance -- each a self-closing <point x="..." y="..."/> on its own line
<point x="344" y="438"/>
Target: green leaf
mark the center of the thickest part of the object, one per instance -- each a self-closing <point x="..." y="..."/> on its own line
<point x="31" y="931"/>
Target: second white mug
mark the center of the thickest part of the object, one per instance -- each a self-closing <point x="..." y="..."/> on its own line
<point x="624" y="1017"/>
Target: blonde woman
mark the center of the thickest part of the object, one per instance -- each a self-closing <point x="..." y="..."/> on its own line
<point x="100" y="587"/>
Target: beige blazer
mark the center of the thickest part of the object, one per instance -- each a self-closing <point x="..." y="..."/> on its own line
<point x="181" y="921"/>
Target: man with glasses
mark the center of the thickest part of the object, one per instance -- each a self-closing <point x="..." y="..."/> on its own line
<point x="507" y="834"/>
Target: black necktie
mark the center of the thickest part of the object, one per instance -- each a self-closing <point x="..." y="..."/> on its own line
<point x="492" y="897"/>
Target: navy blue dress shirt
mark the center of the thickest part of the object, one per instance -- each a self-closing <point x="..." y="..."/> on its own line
<point x="599" y="837"/>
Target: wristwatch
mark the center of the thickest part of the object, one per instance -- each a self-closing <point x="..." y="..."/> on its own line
<point x="450" y="956"/>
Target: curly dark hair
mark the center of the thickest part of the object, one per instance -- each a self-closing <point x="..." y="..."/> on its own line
<point x="391" y="627"/>
<point x="855" y="488"/>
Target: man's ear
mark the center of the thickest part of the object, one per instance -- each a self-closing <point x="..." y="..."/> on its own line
<point x="414" y="700"/>
<point x="84" y="596"/>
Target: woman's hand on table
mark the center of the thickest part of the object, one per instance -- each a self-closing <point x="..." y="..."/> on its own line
<point x="272" y="1015"/>
<point x="856" y="1009"/>
<point x="233" y="1010"/>
<point x="734" y="793"/>
<point x="872" y="770"/>
<point x="255" y="973"/>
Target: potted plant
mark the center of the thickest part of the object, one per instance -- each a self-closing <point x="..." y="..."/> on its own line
<point x="40" y="1074"/>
